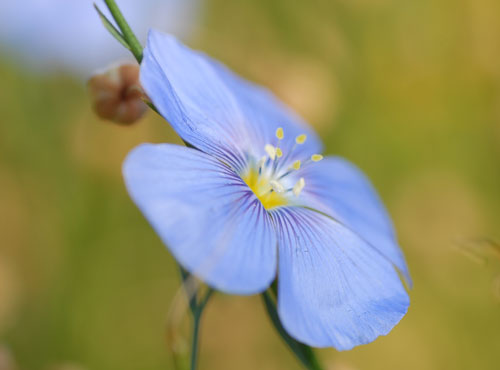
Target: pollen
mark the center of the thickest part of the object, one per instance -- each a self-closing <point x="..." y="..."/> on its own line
<point x="271" y="151"/>
<point x="301" y="139"/>
<point x="279" y="133"/>
<point x="316" y="157"/>
<point x="270" y="177"/>
<point x="276" y="186"/>
<point x="271" y="193"/>
<point x="299" y="185"/>
<point x="296" y="165"/>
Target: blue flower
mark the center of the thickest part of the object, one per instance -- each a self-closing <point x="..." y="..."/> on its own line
<point x="255" y="200"/>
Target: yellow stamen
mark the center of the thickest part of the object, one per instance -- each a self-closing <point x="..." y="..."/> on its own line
<point x="316" y="157"/>
<point x="301" y="139"/>
<point x="299" y="185"/>
<point x="296" y="165"/>
<point x="271" y="151"/>
<point x="279" y="153"/>
<point x="279" y="133"/>
<point x="277" y="187"/>
<point x="261" y="187"/>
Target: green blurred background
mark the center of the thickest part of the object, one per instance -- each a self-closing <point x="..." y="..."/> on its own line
<point x="408" y="90"/>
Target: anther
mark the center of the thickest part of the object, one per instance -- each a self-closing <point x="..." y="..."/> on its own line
<point x="316" y="157"/>
<point x="301" y="139"/>
<point x="295" y="166"/>
<point x="299" y="185"/>
<point x="277" y="187"/>
<point x="271" y="151"/>
<point x="279" y="153"/>
<point x="279" y="133"/>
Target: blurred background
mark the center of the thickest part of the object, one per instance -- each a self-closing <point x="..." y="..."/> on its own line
<point x="408" y="90"/>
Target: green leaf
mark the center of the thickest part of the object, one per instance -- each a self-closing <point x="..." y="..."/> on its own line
<point x="303" y="352"/>
<point x="111" y="28"/>
<point x="126" y="32"/>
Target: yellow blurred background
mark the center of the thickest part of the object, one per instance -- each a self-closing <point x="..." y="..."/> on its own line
<point x="408" y="90"/>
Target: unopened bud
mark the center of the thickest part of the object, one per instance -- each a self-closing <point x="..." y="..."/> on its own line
<point x="117" y="95"/>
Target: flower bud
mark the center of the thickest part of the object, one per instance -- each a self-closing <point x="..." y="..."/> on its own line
<point x="116" y="94"/>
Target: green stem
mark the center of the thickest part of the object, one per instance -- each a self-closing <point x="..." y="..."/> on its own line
<point x="194" y="341"/>
<point x="196" y="307"/>
<point x="128" y="34"/>
<point x="197" y="313"/>
<point x="191" y="297"/>
<point x="304" y="353"/>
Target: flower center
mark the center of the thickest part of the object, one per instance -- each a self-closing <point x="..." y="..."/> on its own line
<point x="269" y="177"/>
<point x="262" y="188"/>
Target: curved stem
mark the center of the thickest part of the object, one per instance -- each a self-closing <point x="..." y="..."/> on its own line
<point x="197" y="313"/>
<point x="304" y="353"/>
<point x="128" y="34"/>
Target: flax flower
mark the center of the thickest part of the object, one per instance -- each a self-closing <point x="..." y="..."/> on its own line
<point x="254" y="200"/>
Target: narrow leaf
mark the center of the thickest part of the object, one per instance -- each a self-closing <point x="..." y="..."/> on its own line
<point x="111" y="28"/>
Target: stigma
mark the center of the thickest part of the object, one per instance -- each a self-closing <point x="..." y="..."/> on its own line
<point x="273" y="177"/>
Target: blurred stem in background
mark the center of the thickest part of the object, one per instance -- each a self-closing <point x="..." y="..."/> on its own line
<point x="196" y="307"/>
<point x="304" y="353"/>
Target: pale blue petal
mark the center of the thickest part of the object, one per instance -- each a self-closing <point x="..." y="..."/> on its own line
<point x="334" y="289"/>
<point x="265" y="113"/>
<point x="210" y="107"/>
<point x="340" y="189"/>
<point x="209" y="219"/>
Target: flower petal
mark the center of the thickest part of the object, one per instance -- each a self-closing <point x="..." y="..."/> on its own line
<point x="334" y="289"/>
<point x="210" y="107"/>
<point x="265" y="114"/>
<point x="338" y="188"/>
<point x="209" y="219"/>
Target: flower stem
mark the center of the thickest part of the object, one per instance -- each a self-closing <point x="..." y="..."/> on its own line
<point x="128" y="34"/>
<point x="197" y="313"/>
<point x="194" y="341"/>
<point x="304" y="353"/>
<point x="196" y="307"/>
